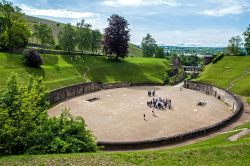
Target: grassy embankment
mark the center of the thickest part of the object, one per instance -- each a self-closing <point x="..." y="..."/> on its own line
<point x="228" y="70"/>
<point x="214" y="151"/>
<point x="61" y="70"/>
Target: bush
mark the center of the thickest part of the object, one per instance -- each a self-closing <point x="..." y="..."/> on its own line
<point x="62" y="135"/>
<point x="26" y="128"/>
<point x="22" y="109"/>
<point x="166" y="78"/>
<point x="217" y="58"/>
<point x="58" y="47"/>
<point x="32" y="58"/>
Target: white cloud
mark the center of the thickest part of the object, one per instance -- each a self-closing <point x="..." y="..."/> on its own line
<point x="136" y="3"/>
<point x="227" y="7"/>
<point x="62" y="13"/>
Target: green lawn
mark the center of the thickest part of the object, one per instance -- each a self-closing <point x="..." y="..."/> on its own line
<point x="248" y="100"/>
<point x="61" y="70"/>
<point x="227" y="70"/>
<point x="214" y="151"/>
<point x="134" y="51"/>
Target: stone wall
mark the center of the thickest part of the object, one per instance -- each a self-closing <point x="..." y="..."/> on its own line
<point x="65" y="93"/>
<point x="229" y="98"/>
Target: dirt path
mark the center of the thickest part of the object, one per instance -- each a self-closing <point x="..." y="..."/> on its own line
<point x="85" y="74"/>
<point x="238" y="135"/>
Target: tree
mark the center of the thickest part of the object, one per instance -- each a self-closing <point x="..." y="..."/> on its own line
<point x="83" y="36"/>
<point x="14" y="28"/>
<point x="25" y="126"/>
<point x="67" y="38"/>
<point x="234" y="45"/>
<point x="246" y="35"/>
<point x="96" y="39"/>
<point x="32" y="58"/>
<point x="159" y="52"/>
<point x="22" y="109"/>
<point x="116" y="37"/>
<point x="66" y="134"/>
<point x="148" y="46"/>
<point x="44" y="34"/>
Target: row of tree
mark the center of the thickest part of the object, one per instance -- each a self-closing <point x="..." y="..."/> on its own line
<point x="70" y="37"/>
<point x="15" y="32"/>
<point x="235" y="44"/>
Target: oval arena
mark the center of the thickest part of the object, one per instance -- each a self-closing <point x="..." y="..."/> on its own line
<point x="117" y="115"/>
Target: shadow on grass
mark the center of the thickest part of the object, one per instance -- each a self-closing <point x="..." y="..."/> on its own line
<point x="49" y="60"/>
<point x="107" y="70"/>
<point x="37" y="72"/>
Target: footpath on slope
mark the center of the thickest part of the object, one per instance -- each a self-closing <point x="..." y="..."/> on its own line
<point x="246" y="72"/>
<point x="235" y="137"/>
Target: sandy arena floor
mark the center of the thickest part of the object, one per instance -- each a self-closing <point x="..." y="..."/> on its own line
<point x="118" y="115"/>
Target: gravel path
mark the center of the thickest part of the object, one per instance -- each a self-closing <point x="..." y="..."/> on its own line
<point x="238" y="135"/>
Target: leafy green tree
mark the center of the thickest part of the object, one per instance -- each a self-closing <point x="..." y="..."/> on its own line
<point x="159" y="52"/>
<point x="65" y="134"/>
<point x="148" y="46"/>
<point x="246" y="35"/>
<point x="44" y="34"/>
<point x="68" y="38"/>
<point x="83" y="36"/>
<point x="14" y="28"/>
<point x="96" y="40"/>
<point x="234" y="46"/>
<point x="190" y="60"/>
<point x="24" y="108"/>
<point x="26" y="128"/>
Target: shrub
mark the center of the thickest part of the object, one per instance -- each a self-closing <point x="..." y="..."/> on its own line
<point x="62" y="135"/>
<point x="248" y="100"/>
<point x="217" y="58"/>
<point x="22" y="109"/>
<point x="166" y="78"/>
<point x="26" y="128"/>
<point x="58" y="47"/>
<point x="32" y="58"/>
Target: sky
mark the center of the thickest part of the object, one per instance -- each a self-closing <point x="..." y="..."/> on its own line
<point x="170" y="22"/>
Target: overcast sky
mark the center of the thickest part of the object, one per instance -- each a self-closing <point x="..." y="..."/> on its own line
<point x="171" y="22"/>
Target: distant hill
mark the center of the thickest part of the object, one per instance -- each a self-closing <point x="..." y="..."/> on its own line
<point x="194" y="50"/>
<point x="57" y="27"/>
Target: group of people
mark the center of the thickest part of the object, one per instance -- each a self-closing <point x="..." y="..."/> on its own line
<point x="159" y="103"/>
<point x="151" y="93"/>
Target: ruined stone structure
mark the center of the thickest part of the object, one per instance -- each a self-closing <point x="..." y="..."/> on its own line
<point x="227" y="97"/>
<point x="207" y="59"/>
